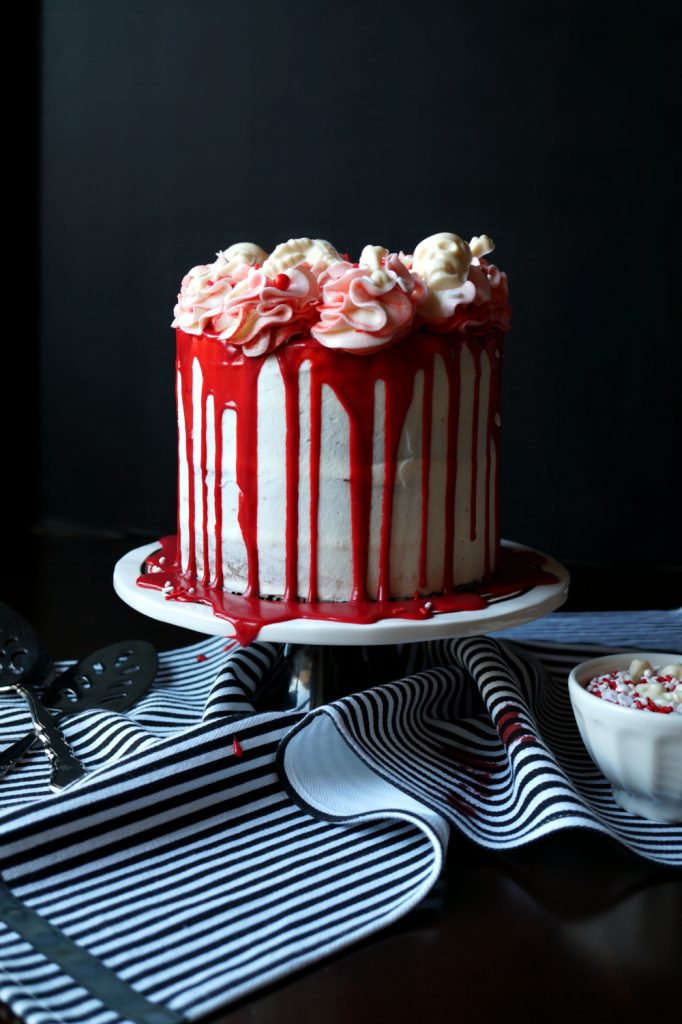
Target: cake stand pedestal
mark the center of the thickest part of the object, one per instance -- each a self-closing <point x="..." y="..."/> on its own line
<point x="328" y="659"/>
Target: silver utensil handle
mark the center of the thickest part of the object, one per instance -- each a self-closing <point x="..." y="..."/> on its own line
<point x="13" y="754"/>
<point x="65" y="766"/>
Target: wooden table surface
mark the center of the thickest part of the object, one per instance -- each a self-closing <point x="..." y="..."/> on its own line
<point x="570" y="926"/>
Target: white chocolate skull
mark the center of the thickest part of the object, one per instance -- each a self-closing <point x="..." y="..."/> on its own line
<point x="242" y="252"/>
<point x="286" y="255"/>
<point x="442" y="261"/>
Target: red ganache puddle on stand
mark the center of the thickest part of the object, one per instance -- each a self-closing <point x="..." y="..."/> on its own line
<point x="518" y="573"/>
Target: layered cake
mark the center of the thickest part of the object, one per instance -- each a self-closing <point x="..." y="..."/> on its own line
<point x="338" y="425"/>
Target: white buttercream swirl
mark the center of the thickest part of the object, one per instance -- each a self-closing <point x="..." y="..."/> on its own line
<point x="368" y="306"/>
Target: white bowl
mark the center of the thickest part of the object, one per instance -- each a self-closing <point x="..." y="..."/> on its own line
<point x="639" y="752"/>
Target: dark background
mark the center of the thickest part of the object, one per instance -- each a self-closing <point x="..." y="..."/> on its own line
<point x="170" y="129"/>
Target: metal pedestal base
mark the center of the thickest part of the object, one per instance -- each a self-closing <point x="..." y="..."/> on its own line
<point x="321" y="673"/>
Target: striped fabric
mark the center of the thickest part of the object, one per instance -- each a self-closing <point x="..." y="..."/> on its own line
<point x="188" y="870"/>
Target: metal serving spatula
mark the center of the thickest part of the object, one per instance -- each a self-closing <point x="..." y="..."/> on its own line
<point x="113" y="678"/>
<point x="25" y="664"/>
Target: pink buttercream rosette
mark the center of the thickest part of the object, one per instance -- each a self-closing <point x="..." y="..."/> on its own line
<point x="260" y="315"/>
<point x="247" y="308"/>
<point x="202" y="295"/>
<point x="361" y="311"/>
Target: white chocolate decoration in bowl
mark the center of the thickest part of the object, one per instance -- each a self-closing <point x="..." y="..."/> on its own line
<point x="637" y="669"/>
<point x="642" y="687"/>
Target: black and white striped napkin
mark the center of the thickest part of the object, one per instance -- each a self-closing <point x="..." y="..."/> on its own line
<point x="215" y="847"/>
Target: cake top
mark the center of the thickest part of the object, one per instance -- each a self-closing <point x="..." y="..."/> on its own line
<point x="258" y="302"/>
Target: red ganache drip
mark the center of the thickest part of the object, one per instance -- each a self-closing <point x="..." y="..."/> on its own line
<point x="290" y="377"/>
<point x="519" y="572"/>
<point x="493" y="430"/>
<point x="427" y="418"/>
<point x="229" y="381"/>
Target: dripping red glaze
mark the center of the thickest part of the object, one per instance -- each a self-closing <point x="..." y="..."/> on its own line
<point x="229" y="380"/>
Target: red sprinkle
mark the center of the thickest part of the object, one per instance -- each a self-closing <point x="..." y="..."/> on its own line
<point x="236" y="747"/>
<point x="202" y="657"/>
<point x="282" y="281"/>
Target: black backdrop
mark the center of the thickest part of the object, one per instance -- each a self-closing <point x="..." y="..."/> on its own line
<point x="172" y="128"/>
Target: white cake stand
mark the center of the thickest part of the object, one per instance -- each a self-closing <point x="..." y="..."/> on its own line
<point x="329" y="658"/>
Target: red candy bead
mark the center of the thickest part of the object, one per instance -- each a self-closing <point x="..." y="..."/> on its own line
<point x="282" y="282"/>
<point x="236" y="747"/>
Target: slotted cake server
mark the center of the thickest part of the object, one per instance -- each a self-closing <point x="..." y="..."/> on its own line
<point x="113" y="678"/>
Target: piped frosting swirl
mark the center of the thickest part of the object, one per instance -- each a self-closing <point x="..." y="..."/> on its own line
<point x="259" y="302"/>
<point x="367" y="306"/>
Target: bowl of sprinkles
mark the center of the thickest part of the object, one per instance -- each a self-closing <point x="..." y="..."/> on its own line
<point x="629" y="712"/>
